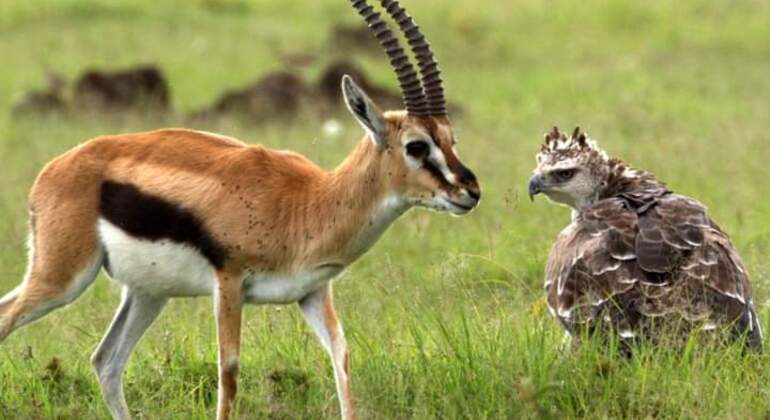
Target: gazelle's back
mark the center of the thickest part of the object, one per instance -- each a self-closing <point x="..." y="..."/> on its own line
<point x="210" y="181"/>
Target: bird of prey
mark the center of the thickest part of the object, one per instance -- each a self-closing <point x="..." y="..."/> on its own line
<point x="637" y="261"/>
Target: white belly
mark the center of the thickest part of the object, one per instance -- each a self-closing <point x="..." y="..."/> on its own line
<point x="167" y="268"/>
<point x="162" y="267"/>
<point x="287" y="288"/>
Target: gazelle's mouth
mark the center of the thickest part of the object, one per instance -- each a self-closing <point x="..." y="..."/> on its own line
<point x="461" y="206"/>
<point x="457" y="208"/>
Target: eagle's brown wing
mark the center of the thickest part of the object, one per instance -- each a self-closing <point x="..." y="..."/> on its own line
<point x="623" y="262"/>
<point x="668" y="232"/>
<point x="592" y="261"/>
<point x="717" y="265"/>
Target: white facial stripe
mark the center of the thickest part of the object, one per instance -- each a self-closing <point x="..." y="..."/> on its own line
<point x="438" y="159"/>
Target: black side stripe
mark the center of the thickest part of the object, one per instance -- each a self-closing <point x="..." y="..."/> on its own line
<point x="148" y="217"/>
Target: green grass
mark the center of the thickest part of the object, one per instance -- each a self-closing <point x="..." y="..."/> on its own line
<point x="444" y="316"/>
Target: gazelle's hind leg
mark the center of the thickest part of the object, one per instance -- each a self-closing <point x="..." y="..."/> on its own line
<point x="136" y="313"/>
<point x="65" y="253"/>
<point x="51" y="282"/>
<point x="6" y="302"/>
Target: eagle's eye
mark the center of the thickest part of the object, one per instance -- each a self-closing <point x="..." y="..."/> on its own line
<point x="564" y="175"/>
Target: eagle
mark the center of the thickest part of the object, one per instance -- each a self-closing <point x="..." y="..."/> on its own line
<point x="638" y="261"/>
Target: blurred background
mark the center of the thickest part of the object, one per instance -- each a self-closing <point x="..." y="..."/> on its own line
<point x="445" y="315"/>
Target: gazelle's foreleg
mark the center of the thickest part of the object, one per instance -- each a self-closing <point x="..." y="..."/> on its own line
<point x="228" y="302"/>
<point x="136" y="313"/>
<point x="318" y="309"/>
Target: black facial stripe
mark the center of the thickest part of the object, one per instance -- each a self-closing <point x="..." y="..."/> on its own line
<point x="436" y="173"/>
<point x="149" y="217"/>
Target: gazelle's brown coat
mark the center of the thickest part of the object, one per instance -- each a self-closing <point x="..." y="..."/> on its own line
<point x="271" y="213"/>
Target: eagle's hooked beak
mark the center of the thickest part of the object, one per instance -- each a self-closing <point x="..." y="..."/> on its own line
<point x="536" y="186"/>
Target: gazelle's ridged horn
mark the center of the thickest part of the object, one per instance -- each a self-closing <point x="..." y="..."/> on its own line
<point x="411" y="87"/>
<point x="431" y="75"/>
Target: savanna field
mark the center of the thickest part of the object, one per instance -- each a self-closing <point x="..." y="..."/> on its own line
<point x="444" y="316"/>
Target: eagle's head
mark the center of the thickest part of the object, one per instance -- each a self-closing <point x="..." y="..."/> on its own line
<point x="570" y="170"/>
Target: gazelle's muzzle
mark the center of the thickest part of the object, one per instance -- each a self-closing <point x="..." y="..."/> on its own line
<point x="467" y="193"/>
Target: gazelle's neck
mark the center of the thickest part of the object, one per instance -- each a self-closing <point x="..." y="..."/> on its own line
<point x="355" y="204"/>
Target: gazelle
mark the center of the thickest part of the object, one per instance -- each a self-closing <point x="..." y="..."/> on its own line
<point x="181" y="213"/>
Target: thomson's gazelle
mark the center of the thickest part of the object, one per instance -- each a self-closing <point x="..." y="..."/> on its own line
<point x="178" y="213"/>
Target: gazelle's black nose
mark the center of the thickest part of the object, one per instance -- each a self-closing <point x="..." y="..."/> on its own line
<point x="467" y="176"/>
<point x="467" y="181"/>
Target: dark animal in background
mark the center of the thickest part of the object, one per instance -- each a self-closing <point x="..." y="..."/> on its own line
<point x="47" y="100"/>
<point x="143" y="87"/>
<point x="283" y="95"/>
<point x="276" y="95"/>
<point x="329" y="89"/>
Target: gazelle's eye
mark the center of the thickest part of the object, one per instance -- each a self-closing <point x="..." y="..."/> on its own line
<point x="565" y="174"/>
<point x="417" y="149"/>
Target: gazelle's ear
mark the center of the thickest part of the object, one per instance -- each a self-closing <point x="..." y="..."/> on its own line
<point x="364" y="110"/>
